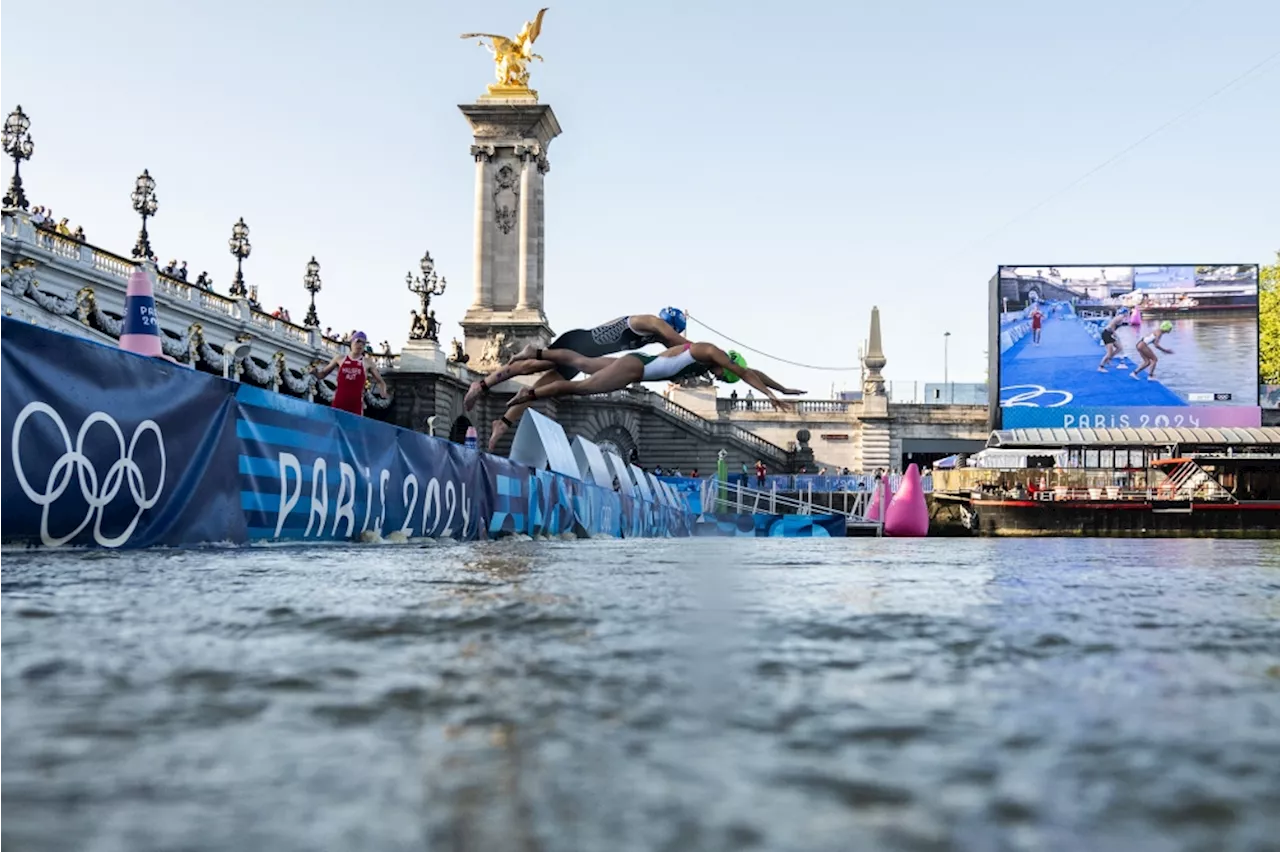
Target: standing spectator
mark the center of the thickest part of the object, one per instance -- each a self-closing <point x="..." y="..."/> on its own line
<point x="693" y="474"/>
<point x="78" y="236"/>
<point x="761" y="471"/>
<point x="352" y="368"/>
<point x="182" y="271"/>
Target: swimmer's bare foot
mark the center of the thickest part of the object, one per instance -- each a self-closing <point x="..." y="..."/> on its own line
<point x="473" y="393"/>
<point x="526" y="354"/>
<point x="525" y="395"/>
<point x="498" y="428"/>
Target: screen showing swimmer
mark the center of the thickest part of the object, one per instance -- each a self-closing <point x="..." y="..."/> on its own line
<point x="1127" y="347"/>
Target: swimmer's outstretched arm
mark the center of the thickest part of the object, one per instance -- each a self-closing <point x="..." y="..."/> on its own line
<point x="709" y="353"/>
<point x="771" y="383"/>
<point x="659" y="328"/>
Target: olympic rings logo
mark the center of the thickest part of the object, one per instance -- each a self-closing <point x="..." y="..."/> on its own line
<point x="98" y="493"/>
<point x="1034" y="392"/>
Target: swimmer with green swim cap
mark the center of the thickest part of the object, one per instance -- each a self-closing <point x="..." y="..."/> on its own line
<point x="1148" y="354"/>
<point x="676" y="363"/>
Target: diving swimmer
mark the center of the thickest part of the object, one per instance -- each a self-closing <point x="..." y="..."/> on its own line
<point x="1149" y="358"/>
<point x="678" y="362"/>
<point x="619" y="335"/>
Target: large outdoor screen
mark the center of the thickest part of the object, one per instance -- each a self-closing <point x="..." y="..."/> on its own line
<point x="1120" y="347"/>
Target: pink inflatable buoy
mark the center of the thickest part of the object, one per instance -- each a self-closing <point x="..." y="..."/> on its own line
<point x="908" y="514"/>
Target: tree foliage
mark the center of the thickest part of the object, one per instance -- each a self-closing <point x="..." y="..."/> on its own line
<point x="1269" y="323"/>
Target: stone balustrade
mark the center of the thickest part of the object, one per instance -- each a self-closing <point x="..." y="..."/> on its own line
<point x="81" y="288"/>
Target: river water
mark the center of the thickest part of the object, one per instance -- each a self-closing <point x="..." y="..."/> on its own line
<point x="645" y="695"/>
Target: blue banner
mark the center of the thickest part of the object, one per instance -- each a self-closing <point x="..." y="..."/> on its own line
<point x="111" y="449"/>
<point x="773" y="526"/>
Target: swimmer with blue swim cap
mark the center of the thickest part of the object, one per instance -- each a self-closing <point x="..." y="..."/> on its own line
<point x="618" y="335"/>
<point x="675" y="364"/>
<point x="1145" y="349"/>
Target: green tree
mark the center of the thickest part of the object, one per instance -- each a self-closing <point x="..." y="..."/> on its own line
<point x="1269" y="323"/>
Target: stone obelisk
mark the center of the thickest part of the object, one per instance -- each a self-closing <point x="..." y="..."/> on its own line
<point x="874" y="435"/>
<point x="512" y="132"/>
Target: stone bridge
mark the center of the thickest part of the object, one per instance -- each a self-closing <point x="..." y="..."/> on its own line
<point x="859" y="435"/>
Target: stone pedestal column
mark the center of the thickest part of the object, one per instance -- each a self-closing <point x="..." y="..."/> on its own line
<point x="483" y="155"/>
<point x="511" y="139"/>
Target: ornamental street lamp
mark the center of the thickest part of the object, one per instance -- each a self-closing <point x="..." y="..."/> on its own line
<point x="17" y="144"/>
<point x="145" y="204"/>
<point x="312" y="282"/>
<point x="946" y="367"/>
<point x="240" y="249"/>
<point x="427" y="285"/>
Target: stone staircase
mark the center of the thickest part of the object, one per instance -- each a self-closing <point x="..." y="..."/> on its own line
<point x="662" y="432"/>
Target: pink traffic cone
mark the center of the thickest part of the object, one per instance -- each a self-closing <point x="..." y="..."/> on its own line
<point x="908" y="514"/>
<point x="141" y="333"/>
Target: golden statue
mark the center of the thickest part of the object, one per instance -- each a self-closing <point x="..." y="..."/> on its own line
<point x="512" y="55"/>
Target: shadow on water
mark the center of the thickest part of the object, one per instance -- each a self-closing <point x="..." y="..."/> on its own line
<point x="709" y="694"/>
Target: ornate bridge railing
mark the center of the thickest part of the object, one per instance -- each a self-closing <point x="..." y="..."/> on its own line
<point x="197" y="324"/>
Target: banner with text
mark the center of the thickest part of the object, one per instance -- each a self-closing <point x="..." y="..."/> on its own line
<point x="110" y="449"/>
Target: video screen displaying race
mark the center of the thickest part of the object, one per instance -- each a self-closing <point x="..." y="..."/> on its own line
<point x="1128" y="347"/>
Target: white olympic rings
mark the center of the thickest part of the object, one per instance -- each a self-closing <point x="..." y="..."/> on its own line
<point x="98" y="494"/>
<point x="1034" y="392"/>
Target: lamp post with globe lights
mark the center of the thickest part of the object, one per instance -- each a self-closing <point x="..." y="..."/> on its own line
<point x="240" y="249"/>
<point x="425" y="286"/>
<point x="17" y="144"/>
<point x="311" y="281"/>
<point x="145" y="205"/>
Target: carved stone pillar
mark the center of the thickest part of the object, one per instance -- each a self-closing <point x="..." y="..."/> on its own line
<point x="483" y="155"/>
<point x="528" y="153"/>
<point x="511" y="139"/>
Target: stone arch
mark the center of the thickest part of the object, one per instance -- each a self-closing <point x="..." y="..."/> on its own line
<point x="616" y="439"/>
<point x="458" y="431"/>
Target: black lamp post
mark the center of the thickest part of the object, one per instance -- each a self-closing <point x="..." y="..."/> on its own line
<point x="427" y="285"/>
<point x="145" y="204"/>
<point x="17" y="144"/>
<point x="240" y="249"/>
<point x="312" y="282"/>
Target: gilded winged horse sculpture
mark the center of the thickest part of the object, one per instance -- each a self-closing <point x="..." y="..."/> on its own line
<point x="512" y="55"/>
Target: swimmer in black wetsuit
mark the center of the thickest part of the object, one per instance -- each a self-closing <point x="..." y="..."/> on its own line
<point x="619" y="335"/>
<point x="678" y="362"/>
<point x="1109" y="337"/>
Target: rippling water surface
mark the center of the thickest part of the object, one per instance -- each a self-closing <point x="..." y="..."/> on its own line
<point x="683" y="695"/>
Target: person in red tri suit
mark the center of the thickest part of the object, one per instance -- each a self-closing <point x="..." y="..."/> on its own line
<point x="352" y="368"/>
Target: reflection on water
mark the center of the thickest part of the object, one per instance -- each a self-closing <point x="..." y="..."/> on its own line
<point x="1212" y="354"/>
<point x="709" y="694"/>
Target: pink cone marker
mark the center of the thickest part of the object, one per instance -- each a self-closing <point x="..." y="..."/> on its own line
<point x="141" y="332"/>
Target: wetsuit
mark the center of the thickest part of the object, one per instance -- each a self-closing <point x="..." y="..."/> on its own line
<point x="614" y="336"/>
<point x="671" y="367"/>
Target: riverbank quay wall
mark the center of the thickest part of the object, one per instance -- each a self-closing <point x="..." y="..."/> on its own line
<point x="104" y="448"/>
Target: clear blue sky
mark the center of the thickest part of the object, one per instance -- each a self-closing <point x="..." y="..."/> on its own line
<point x="777" y="169"/>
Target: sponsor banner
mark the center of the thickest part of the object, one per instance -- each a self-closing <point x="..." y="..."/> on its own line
<point x="105" y="448"/>
<point x="773" y="526"/>
<point x="1156" y="417"/>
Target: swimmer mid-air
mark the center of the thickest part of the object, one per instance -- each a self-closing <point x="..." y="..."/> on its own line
<point x="619" y="335"/>
<point x="1149" y="358"/>
<point x="609" y="374"/>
